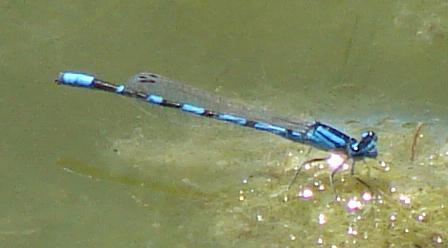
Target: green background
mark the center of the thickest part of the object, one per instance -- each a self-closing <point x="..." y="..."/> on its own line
<point x="88" y="169"/>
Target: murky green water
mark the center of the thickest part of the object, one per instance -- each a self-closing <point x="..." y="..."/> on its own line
<point x="88" y="169"/>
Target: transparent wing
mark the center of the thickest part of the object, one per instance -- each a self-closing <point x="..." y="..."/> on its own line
<point x="151" y="83"/>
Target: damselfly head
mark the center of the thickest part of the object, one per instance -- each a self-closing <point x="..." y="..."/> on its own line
<point x="366" y="147"/>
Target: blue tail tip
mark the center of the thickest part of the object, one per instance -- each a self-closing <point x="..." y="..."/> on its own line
<point x="75" y="78"/>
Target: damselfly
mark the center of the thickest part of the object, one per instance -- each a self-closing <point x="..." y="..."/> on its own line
<point x="162" y="91"/>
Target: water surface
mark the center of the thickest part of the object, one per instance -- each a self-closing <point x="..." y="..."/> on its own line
<point x="88" y="169"/>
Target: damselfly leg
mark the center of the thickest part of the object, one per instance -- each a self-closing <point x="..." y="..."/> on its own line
<point x="314" y="160"/>
<point x="336" y="162"/>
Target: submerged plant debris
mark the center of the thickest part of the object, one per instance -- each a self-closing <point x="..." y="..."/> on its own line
<point x="398" y="200"/>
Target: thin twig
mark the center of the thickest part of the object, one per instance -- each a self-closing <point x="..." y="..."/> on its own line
<point x="414" y="141"/>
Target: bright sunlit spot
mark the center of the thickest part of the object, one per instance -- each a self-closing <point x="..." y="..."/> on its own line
<point x="336" y="160"/>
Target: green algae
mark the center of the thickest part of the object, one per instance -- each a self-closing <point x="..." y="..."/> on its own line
<point x="408" y="208"/>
